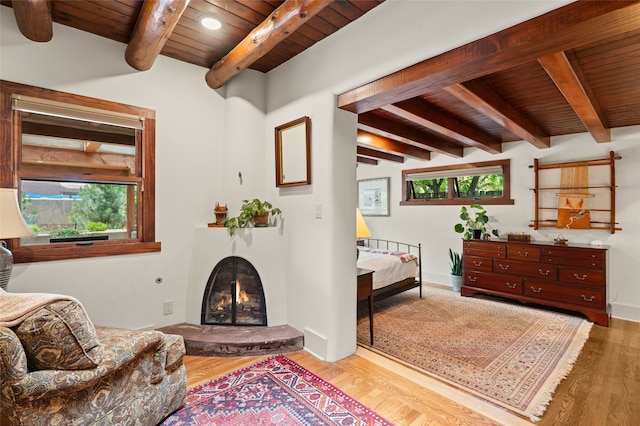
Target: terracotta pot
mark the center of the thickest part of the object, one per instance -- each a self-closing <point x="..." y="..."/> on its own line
<point x="261" y="220"/>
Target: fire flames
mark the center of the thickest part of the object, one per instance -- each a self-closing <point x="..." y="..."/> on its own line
<point x="225" y="301"/>
<point x="241" y="295"/>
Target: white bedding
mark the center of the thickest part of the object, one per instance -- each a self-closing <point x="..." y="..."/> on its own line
<point x="388" y="268"/>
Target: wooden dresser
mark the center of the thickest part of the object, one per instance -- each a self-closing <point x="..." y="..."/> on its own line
<point x="572" y="277"/>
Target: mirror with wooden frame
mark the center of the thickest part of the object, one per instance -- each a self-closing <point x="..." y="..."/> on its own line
<point x="293" y="153"/>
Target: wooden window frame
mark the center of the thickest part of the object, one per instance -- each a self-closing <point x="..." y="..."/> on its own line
<point x="451" y="200"/>
<point x="10" y="137"/>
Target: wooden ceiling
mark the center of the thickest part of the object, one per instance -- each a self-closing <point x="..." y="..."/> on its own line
<point x="256" y="34"/>
<point x="575" y="69"/>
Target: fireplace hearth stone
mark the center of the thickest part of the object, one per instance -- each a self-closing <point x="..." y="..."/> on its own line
<point x="225" y="341"/>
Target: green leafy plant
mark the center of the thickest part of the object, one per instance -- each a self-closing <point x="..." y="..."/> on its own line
<point x="476" y="223"/>
<point x="64" y="232"/>
<point x="101" y="203"/>
<point x="96" y="226"/>
<point x="248" y="212"/>
<point x="456" y="262"/>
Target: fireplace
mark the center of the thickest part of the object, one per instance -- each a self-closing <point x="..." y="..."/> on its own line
<point x="234" y="295"/>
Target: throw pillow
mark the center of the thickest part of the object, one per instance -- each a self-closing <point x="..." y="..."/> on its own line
<point x="60" y="336"/>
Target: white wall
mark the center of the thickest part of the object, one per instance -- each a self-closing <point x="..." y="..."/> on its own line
<point x="433" y="226"/>
<point x="243" y="168"/>
<point x="121" y="290"/>
<point x="320" y="268"/>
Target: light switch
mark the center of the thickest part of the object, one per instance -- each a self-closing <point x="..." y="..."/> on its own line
<point x="318" y="211"/>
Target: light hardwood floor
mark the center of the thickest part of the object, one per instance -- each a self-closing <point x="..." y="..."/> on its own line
<point x="603" y="387"/>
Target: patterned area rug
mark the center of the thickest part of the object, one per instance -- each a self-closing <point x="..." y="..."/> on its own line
<point x="276" y="391"/>
<point x="510" y="355"/>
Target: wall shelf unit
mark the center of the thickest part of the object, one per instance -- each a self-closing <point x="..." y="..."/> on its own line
<point x="589" y="205"/>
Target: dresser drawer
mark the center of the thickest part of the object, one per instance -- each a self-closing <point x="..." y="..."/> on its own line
<point x="585" y="277"/>
<point x="484" y="249"/>
<point x="485" y="253"/>
<point x="586" y="253"/>
<point x="502" y="283"/>
<point x="570" y="261"/>
<point x="484" y="245"/>
<point x="477" y="263"/>
<point x="523" y="252"/>
<point x="536" y="270"/>
<point x="572" y="295"/>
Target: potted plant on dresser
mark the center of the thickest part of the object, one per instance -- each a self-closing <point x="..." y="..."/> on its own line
<point x="473" y="227"/>
<point x="456" y="270"/>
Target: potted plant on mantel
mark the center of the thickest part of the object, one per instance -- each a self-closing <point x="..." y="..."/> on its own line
<point x="456" y="270"/>
<point x="254" y="212"/>
<point x="473" y="227"/>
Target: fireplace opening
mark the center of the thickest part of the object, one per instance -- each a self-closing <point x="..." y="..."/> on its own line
<point x="234" y="295"/>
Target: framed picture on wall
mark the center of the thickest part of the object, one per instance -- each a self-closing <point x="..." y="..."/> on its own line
<point x="373" y="197"/>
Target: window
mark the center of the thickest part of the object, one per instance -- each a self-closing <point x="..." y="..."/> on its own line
<point x="487" y="182"/>
<point x="85" y="171"/>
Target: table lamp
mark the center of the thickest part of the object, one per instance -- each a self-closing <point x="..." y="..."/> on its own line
<point x="362" y="230"/>
<point x="12" y="225"/>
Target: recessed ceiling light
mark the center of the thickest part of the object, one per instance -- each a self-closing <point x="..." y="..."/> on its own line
<point x="210" y="23"/>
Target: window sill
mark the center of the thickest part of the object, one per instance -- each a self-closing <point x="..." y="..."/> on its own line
<point x="27" y="254"/>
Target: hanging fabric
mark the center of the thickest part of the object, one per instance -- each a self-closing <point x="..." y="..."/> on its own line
<point x="572" y="199"/>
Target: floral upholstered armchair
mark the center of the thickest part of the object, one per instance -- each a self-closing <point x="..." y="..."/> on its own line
<point x="57" y="368"/>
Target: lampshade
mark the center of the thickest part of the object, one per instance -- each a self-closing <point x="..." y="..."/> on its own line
<point x="12" y="225"/>
<point x="362" y="230"/>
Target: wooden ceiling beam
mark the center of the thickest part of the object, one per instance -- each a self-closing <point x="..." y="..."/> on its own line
<point x="34" y="19"/>
<point x="47" y="157"/>
<point x="365" y="160"/>
<point x="379" y="142"/>
<point x="485" y="100"/>
<point x="566" y="73"/>
<point x="400" y="132"/>
<point x="589" y="22"/>
<point x="286" y="19"/>
<point x="370" y="152"/>
<point x="155" y="24"/>
<point x="426" y="115"/>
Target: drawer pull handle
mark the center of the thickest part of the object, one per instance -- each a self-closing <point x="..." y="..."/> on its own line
<point x="523" y="254"/>
<point x="545" y="273"/>
<point x="514" y="285"/>
<point x="580" y="277"/>
<point x="587" y="299"/>
<point x="536" y="290"/>
<point x="472" y="279"/>
<point x="476" y="263"/>
<point x="503" y="267"/>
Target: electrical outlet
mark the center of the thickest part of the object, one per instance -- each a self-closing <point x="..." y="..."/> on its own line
<point x="167" y="307"/>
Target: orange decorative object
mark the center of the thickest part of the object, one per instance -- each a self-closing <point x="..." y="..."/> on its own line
<point x="221" y="215"/>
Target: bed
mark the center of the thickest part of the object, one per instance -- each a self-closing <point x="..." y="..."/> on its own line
<point x="397" y="266"/>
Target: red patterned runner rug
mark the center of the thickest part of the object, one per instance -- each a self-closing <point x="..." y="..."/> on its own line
<point x="275" y="391"/>
<point x="510" y="355"/>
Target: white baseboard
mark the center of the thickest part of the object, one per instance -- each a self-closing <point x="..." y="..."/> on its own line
<point x="625" y="312"/>
<point x="315" y="343"/>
